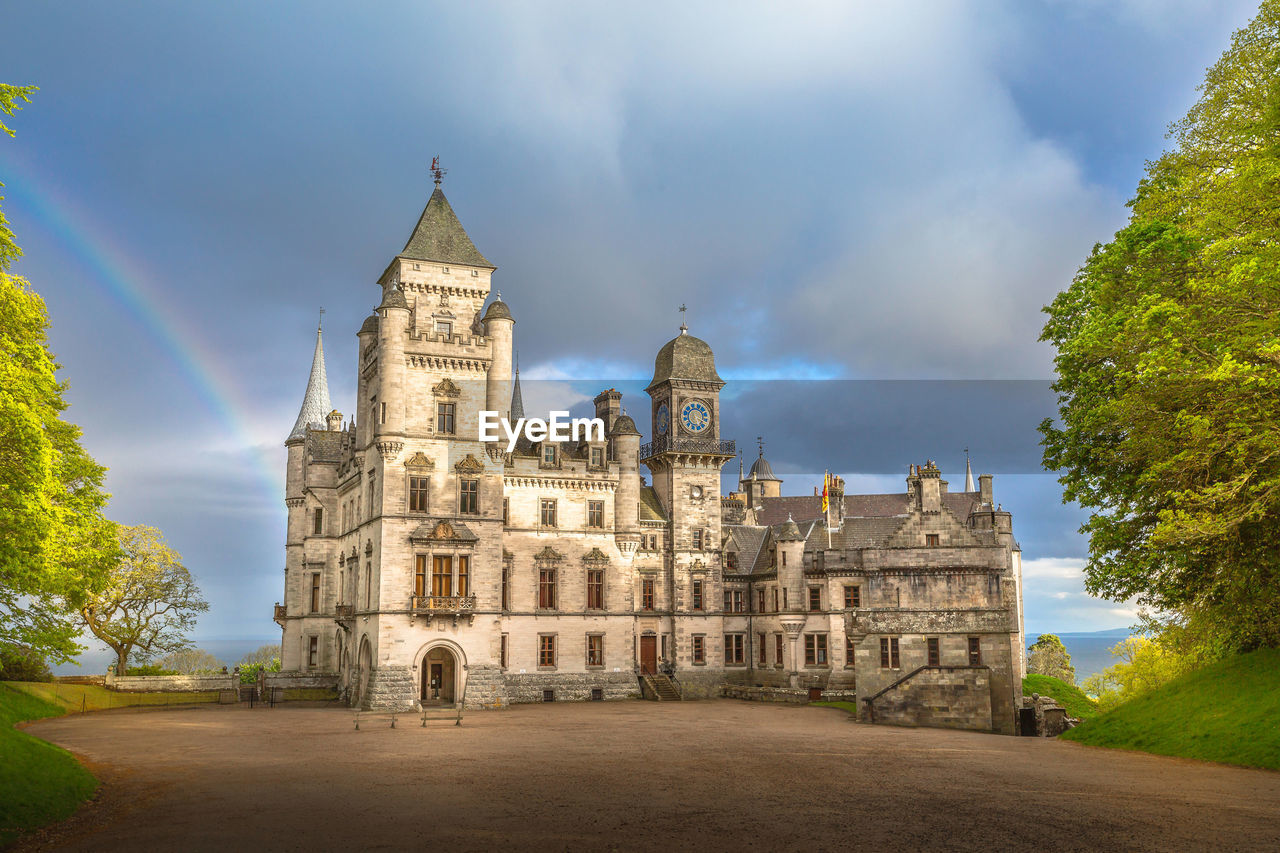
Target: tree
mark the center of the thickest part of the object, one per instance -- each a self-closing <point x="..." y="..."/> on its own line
<point x="190" y="662"/>
<point x="1145" y="664"/>
<point x="149" y="602"/>
<point x="55" y="545"/>
<point x="1168" y="349"/>
<point x="1048" y="656"/>
<point x="20" y="663"/>
<point x="263" y="656"/>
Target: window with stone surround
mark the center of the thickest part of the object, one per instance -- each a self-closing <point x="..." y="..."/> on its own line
<point x="546" y="651"/>
<point x="548" y="512"/>
<point x="931" y="540"/>
<point x="597" y="457"/>
<point x="469" y="497"/>
<point x="699" y="649"/>
<point x="763" y="646"/>
<point x="852" y="597"/>
<point x="935" y="654"/>
<point x="595" y="649"/>
<point x="418" y="494"/>
<point x="595" y="513"/>
<point x="646" y="593"/>
<point x="315" y="592"/>
<point x="775" y="599"/>
<point x="506" y="586"/>
<point x="975" y="651"/>
<point x="446" y="418"/>
<point x="815" y="649"/>
<point x="442" y="575"/>
<point x="548" y="453"/>
<point x="731" y="561"/>
<point x="313" y="652"/>
<point x="697" y="540"/>
<point x="506" y="510"/>
<point x="547" y="589"/>
<point x="848" y="653"/>
<point x="464" y="575"/>
<point x="889" y="657"/>
<point x="735" y="649"/>
<point x="760" y="601"/>
<point x="777" y="649"/>
<point x="502" y="651"/>
<point x="595" y="589"/>
<point x="698" y="602"/>
<point x="318" y="521"/>
<point x="815" y="598"/>
<point x="420" y="575"/>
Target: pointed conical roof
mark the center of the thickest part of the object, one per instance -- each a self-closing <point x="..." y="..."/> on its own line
<point x="440" y="237"/>
<point x="968" y="476"/>
<point x="517" y="401"/>
<point x="315" y="404"/>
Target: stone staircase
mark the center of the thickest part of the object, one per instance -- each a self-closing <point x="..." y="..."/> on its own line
<point x="661" y="688"/>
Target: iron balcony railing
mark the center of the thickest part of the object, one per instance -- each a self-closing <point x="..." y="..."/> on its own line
<point x="684" y="444"/>
<point x="442" y="603"/>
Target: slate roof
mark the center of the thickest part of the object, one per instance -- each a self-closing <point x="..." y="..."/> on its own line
<point x="761" y="469"/>
<point x="685" y="357"/>
<point x="650" y="506"/>
<point x="315" y="402"/>
<point x="439" y="236"/>
<point x="325" y="446"/>
<point x="749" y="541"/>
<point x="799" y="507"/>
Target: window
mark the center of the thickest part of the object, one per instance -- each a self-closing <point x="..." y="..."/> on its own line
<point x="775" y="599"/>
<point x="548" y="453"/>
<point x="699" y="649"/>
<point x="931" y="540"/>
<point x="418" y="494"/>
<point x="595" y="513"/>
<point x="697" y="540"/>
<point x="815" y="649"/>
<point x="698" y="603"/>
<point x="597" y="457"/>
<point x="368" y="583"/>
<point x="889" y="653"/>
<point x="784" y="598"/>
<point x="469" y="496"/>
<point x="444" y="327"/>
<point x="547" y="589"/>
<point x="852" y="597"/>
<point x="728" y="601"/>
<point x="420" y="576"/>
<point x="739" y="605"/>
<point x="546" y="650"/>
<point x="935" y="657"/>
<point x="595" y="589"/>
<point x="342" y="579"/>
<point x="315" y="592"/>
<point x="975" y="652"/>
<point x="548" y="512"/>
<point x="777" y="649"/>
<point x="318" y="519"/>
<point x="731" y="561"/>
<point x="382" y="413"/>
<point x="595" y="650"/>
<point x="506" y="510"/>
<point x="815" y="598"/>
<point x="464" y="575"/>
<point x="445" y="418"/>
<point x="506" y="587"/>
<point x="502" y="652"/>
<point x="784" y="558"/>
<point x="646" y="594"/>
<point x="733" y="648"/>
<point x="313" y="652"/>
<point x="442" y="576"/>
<point x="760" y="601"/>
<point x="763" y="647"/>
<point x="848" y="652"/>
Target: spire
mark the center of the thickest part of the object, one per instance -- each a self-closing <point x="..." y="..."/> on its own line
<point x="315" y="404"/>
<point x="968" y="473"/>
<point x="517" y="402"/>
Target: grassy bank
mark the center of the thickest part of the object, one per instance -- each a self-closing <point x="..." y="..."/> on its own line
<point x="74" y="698"/>
<point x="1067" y="695"/>
<point x="39" y="782"/>
<point x="1228" y="712"/>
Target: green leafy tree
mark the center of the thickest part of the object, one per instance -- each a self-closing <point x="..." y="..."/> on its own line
<point x="20" y="663"/>
<point x="1048" y="656"/>
<point x="1144" y="665"/>
<point x="1168" y="367"/>
<point x="190" y="662"/>
<point x="55" y="545"/>
<point x="150" y="601"/>
<point x="263" y="655"/>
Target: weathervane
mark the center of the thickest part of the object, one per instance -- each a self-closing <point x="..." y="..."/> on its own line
<point x="760" y="441"/>
<point x="321" y="323"/>
<point x="436" y="170"/>
<point x="684" y="327"/>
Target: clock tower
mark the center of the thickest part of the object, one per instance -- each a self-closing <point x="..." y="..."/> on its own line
<point x="685" y="458"/>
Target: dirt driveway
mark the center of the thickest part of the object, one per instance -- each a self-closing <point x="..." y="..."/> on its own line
<point x="633" y="775"/>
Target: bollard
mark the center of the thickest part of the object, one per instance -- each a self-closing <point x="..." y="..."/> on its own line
<point x="393" y="720"/>
<point x="357" y="721"/>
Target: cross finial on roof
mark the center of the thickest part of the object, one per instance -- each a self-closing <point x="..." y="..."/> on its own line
<point x="436" y="171"/>
<point x="760" y="441"/>
<point x="684" y="327"/>
<point x="320" y="325"/>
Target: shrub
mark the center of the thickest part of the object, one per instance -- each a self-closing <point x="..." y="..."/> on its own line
<point x="249" y="671"/>
<point x="19" y="663"/>
<point x="149" y="669"/>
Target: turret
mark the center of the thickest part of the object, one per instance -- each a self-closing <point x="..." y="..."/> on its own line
<point x="498" y="328"/>
<point x="608" y="405"/>
<point x="393" y="330"/>
<point x="312" y="415"/>
<point x="626" y="502"/>
<point x="790" y="545"/>
<point x="368" y="337"/>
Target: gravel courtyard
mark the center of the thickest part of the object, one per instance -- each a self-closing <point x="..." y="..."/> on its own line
<point x="632" y="775"/>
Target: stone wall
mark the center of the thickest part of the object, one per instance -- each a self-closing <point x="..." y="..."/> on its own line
<point x="293" y="680"/>
<point x="569" y="686"/>
<point x="170" y="683"/>
<point x="950" y="697"/>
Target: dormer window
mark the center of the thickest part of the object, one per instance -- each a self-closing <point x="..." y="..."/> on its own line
<point x="597" y="457"/>
<point x="548" y="454"/>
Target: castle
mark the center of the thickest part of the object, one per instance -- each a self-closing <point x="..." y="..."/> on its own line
<point x="424" y="566"/>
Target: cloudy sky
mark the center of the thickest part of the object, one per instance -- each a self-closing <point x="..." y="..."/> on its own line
<point x="857" y="195"/>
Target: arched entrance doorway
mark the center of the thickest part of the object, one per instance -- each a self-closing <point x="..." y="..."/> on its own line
<point x="364" y="667"/>
<point x="439" y="684"/>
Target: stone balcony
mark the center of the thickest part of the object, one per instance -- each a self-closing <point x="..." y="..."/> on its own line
<point x="279" y="615"/>
<point x="434" y="606"/>
<point x="344" y="615"/>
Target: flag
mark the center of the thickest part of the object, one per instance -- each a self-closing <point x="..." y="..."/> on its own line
<point x="826" y="479"/>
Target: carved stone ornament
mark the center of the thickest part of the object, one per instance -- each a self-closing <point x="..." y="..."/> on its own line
<point x="469" y="465"/>
<point x="444" y="530"/>
<point x="549" y="554"/>
<point x="447" y="388"/>
<point x="419" y="460"/>
<point x="595" y="555"/>
<point x="368" y="546"/>
<point x="389" y="450"/>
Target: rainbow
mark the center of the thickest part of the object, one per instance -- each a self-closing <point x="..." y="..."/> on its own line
<point x="126" y="281"/>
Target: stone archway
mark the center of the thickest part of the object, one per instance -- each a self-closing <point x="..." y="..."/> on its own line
<point x="440" y="674"/>
<point x="364" y="667"/>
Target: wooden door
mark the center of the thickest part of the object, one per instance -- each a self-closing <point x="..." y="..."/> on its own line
<point x="649" y="654"/>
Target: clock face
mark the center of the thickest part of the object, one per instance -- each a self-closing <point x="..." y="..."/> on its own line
<point x="695" y="416"/>
<point x="696" y="491"/>
<point x="662" y="420"/>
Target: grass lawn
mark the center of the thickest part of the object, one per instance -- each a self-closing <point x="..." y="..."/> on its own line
<point x="1228" y="712"/>
<point x="39" y="783"/>
<point x="1067" y="695"/>
<point x="847" y="706"/>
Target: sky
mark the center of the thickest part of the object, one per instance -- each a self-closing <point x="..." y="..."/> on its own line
<point x="864" y="206"/>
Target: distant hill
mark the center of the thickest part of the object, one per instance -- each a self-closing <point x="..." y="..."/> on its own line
<point x="1225" y="712"/>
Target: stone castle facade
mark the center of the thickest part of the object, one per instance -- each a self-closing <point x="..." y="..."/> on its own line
<point x="424" y="566"/>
